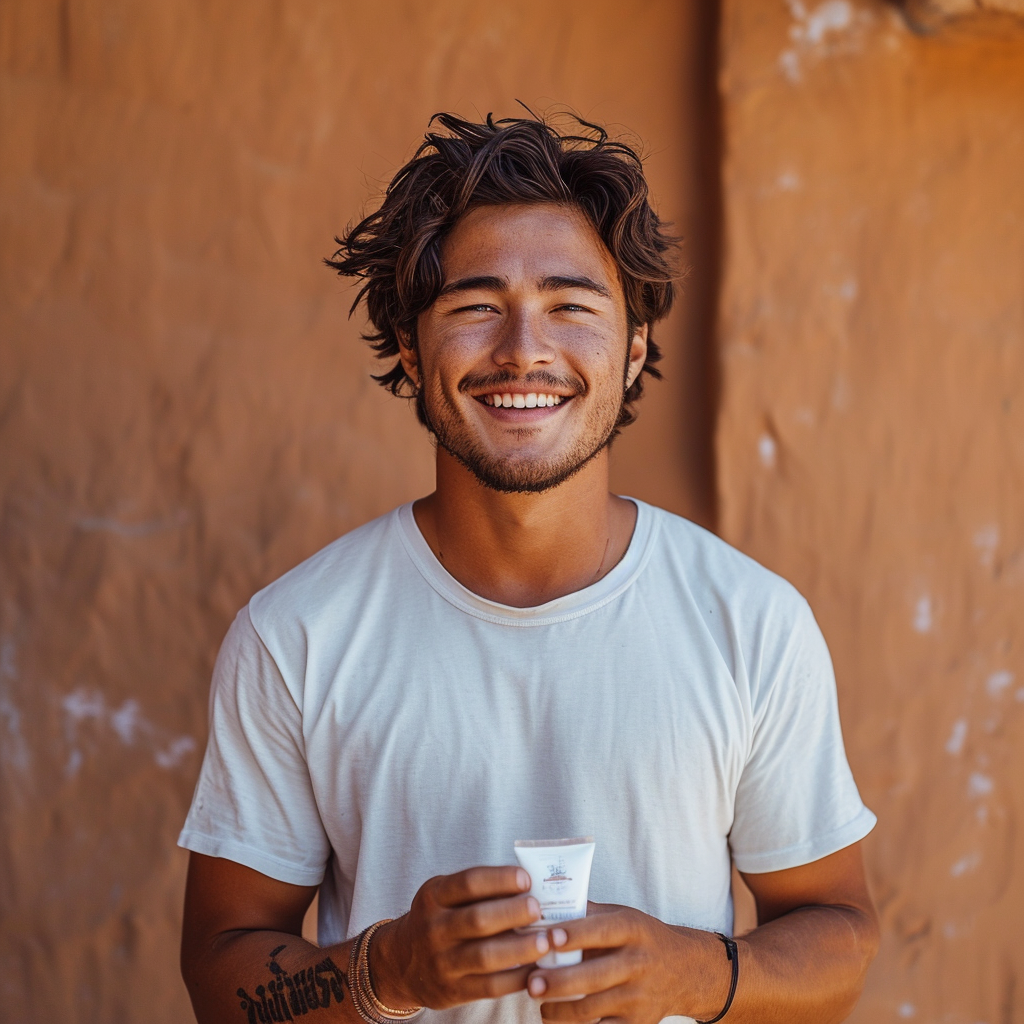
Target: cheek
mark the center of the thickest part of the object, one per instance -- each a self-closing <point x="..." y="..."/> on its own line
<point x="455" y="353"/>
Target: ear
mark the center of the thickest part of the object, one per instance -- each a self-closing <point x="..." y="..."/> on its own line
<point x="637" y="354"/>
<point x="409" y="357"/>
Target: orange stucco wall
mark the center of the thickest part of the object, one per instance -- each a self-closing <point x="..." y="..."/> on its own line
<point x="870" y="443"/>
<point x="185" y="411"/>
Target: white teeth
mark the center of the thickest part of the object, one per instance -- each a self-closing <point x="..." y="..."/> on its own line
<point x="530" y="401"/>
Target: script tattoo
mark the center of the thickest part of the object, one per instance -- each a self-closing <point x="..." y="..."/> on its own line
<point x="287" y="996"/>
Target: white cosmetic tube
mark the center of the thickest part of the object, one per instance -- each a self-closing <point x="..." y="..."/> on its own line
<point x="559" y="872"/>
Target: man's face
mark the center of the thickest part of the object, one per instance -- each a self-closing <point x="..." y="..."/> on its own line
<point x="524" y="358"/>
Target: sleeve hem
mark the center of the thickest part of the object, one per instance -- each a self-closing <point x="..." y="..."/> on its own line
<point x="812" y="850"/>
<point x="258" y="860"/>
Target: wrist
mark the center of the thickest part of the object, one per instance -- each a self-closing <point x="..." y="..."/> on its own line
<point x="708" y="977"/>
<point x="387" y="962"/>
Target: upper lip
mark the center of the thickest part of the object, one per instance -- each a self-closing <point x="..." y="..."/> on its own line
<point x="521" y="389"/>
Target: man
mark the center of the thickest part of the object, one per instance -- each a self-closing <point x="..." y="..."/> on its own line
<point x="523" y="655"/>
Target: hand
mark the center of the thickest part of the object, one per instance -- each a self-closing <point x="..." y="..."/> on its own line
<point x="635" y="969"/>
<point x="456" y="944"/>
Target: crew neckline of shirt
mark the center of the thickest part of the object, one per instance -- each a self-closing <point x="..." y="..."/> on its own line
<point x="570" y="606"/>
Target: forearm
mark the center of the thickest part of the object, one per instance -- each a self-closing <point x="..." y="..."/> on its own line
<point x="806" y="967"/>
<point x="255" y="976"/>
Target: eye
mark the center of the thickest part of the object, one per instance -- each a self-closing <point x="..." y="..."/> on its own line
<point x="477" y="307"/>
<point x="572" y="307"/>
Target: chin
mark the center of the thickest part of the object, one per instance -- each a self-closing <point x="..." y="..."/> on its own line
<point x="523" y="476"/>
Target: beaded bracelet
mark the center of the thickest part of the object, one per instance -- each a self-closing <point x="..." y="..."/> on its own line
<point x="364" y="999"/>
<point x="732" y="953"/>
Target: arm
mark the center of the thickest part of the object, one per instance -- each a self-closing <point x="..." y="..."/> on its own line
<point x="242" y="949"/>
<point x="804" y="964"/>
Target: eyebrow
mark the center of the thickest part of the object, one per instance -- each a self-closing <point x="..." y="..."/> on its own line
<point x="469" y="284"/>
<point x="548" y="284"/>
<point x="553" y="284"/>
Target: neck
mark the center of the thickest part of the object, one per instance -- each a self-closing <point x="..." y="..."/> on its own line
<point x="525" y="549"/>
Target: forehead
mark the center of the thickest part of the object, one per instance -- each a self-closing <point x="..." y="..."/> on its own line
<point x="527" y="243"/>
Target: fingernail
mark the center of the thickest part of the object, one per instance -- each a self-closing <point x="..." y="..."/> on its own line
<point x="538" y="986"/>
<point x="559" y="937"/>
<point x="522" y="880"/>
<point x="533" y="906"/>
<point x="542" y="943"/>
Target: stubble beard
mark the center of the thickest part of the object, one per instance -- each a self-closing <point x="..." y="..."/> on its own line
<point x="511" y="475"/>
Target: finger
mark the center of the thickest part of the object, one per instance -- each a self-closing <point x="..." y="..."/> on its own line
<point x="590" y="976"/>
<point x="595" y="1020"/>
<point x="596" y="1006"/>
<point x="475" y="884"/>
<point x="487" y="956"/>
<point x="494" y="986"/>
<point x="491" y="917"/>
<point x="603" y="931"/>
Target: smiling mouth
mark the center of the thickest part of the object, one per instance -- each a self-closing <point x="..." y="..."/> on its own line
<point x="533" y="400"/>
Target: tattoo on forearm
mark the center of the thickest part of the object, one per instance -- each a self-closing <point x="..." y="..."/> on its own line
<point x="287" y="996"/>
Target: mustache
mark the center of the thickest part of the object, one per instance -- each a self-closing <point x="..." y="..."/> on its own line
<point x="543" y="378"/>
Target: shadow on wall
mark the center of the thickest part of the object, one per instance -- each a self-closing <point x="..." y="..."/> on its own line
<point x="927" y="16"/>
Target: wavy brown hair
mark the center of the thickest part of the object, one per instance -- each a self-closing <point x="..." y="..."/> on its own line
<point x="396" y="251"/>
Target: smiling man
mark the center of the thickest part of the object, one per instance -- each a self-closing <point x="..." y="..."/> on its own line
<point x="523" y="655"/>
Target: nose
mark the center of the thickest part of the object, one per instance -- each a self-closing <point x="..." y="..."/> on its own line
<point x="522" y="344"/>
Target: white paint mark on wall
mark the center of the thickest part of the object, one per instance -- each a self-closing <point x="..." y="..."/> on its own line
<point x="811" y="29"/>
<point x="840" y="393"/>
<point x="13" y="749"/>
<point x="789" y="181"/>
<point x="789" y="65"/>
<point x="986" y="540"/>
<point x="979" y="785"/>
<point x="129" y="724"/>
<point x="907" y="1010"/>
<point x="767" y="450"/>
<point x="108" y="524"/>
<point x="965" y="865"/>
<point x="831" y="16"/>
<point x="955" y="743"/>
<point x="173" y="754"/>
<point x="998" y="682"/>
<point x="847" y="289"/>
<point x="923" y="619"/>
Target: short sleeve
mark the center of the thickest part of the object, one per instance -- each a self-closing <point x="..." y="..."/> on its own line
<point x="796" y="801"/>
<point x="254" y="801"/>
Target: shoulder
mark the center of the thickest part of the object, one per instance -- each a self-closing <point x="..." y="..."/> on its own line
<point x="328" y="586"/>
<point x="756" y="618"/>
<point x="716" y="571"/>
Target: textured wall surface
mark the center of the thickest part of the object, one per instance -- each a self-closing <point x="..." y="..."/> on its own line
<point x="870" y="444"/>
<point x="185" y="412"/>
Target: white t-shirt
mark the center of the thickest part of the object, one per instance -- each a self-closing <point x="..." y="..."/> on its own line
<point x="374" y="723"/>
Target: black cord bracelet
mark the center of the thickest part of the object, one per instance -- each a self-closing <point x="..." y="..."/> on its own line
<point x="733" y="954"/>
